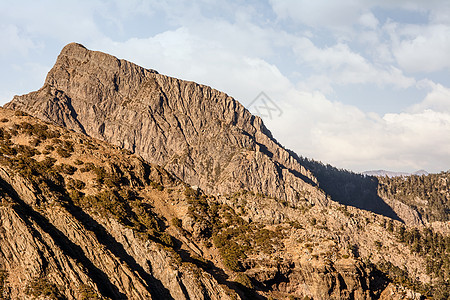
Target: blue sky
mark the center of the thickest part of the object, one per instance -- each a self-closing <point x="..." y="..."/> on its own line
<point x="359" y="84"/>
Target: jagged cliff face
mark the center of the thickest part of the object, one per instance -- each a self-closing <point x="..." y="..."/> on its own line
<point x="81" y="219"/>
<point x="200" y="134"/>
<point x="55" y="244"/>
<point x="86" y="219"/>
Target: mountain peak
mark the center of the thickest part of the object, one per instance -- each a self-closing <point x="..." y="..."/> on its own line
<point x="202" y="135"/>
<point x="244" y="209"/>
<point x="71" y="47"/>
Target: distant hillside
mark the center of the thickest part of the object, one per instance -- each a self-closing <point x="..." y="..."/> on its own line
<point x="428" y="194"/>
<point x="393" y="174"/>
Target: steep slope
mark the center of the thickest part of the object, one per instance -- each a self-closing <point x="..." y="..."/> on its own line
<point x="68" y="231"/>
<point x="263" y="228"/>
<point x="429" y="194"/>
<point x="81" y="219"/>
<point x="202" y="135"/>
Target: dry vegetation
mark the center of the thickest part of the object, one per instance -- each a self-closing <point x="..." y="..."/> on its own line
<point x="243" y="232"/>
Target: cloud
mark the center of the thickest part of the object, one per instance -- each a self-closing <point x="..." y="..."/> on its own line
<point x="368" y="20"/>
<point x="415" y="47"/>
<point x="438" y="99"/>
<point x="319" y="13"/>
<point x="13" y="41"/>
<point x="61" y="20"/>
<point x="343" y="66"/>
<point x="422" y="48"/>
<point x="349" y="138"/>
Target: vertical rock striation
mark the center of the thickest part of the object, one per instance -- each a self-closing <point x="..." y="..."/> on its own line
<point x="204" y="136"/>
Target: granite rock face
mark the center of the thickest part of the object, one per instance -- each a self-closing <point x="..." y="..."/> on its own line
<point x="202" y="135"/>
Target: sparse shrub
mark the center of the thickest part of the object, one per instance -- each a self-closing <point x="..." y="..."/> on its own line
<point x="49" y="148"/>
<point x="230" y="252"/>
<point x="68" y="145"/>
<point x="378" y="245"/>
<point x="75" y="184"/>
<point x="166" y="239"/>
<point x="63" y="152"/>
<point x="244" y="280"/>
<point x="56" y="141"/>
<point x="35" y="142"/>
<point x="190" y="193"/>
<point x="7" y="150"/>
<point x="26" y="151"/>
<point x="78" y="162"/>
<point x="66" y="169"/>
<point x="87" y="167"/>
<point x="4" y="135"/>
<point x="42" y="287"/>
<point x="3" y="276"/>
<point x="156" y="185"/>
<point x="177" y="223"/>
<point x="101" y="174"/>
<point x="19" y="113"/>
<point x="47" y="163"/>
<point x="88" y="293"/>
<point x="76" y="196"/>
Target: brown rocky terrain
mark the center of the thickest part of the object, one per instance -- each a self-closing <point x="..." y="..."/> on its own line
<point x="81" y="219"/>
<point x="98" y="221"/>
<point x="203" y="136"/>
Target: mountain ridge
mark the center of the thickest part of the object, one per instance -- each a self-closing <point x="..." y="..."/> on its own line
<point x="200" y="134"/>
<point x="222" y="197"/>
<point x="82" y="219"/>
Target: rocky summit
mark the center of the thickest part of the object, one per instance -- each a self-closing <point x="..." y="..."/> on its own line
<point x="203" y="136"/>
<point x="117" y="182"/>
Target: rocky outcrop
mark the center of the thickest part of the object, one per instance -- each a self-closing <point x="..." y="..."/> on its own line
<point x="51" y="247"/>
<point x="203" y="136"/>
<point x="97" y="221"/>
<point x="405" y="212"/>
<point x="82" y="219"/>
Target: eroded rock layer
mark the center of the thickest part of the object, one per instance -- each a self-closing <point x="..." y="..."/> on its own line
<point x="204" y="136"/>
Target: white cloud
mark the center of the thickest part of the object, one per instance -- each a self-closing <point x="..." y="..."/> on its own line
<point x="438" y="99"/>
<point x="422" y="48"/>
<point x="368" y="20"/>
<point x="62" y="20"/>
<point x="343" y="66"/>
<point x="13" y="41"/>
<point x="319" y="13"/>
<point x="347" y="137"/>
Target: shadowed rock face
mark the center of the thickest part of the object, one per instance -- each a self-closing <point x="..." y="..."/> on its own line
<point x="202" y="135"/>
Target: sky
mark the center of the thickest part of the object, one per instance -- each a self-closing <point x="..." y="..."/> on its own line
<point x="359" y="84"/>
